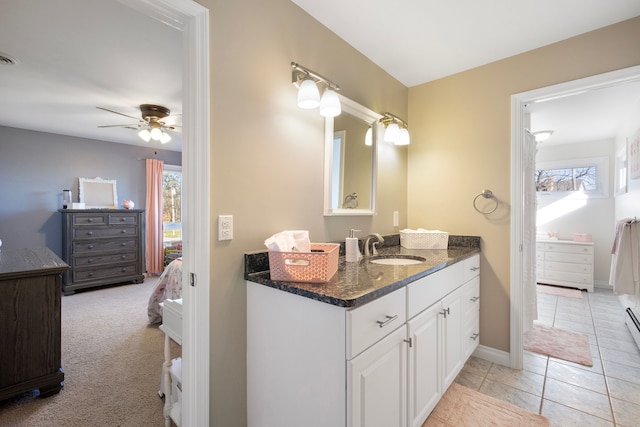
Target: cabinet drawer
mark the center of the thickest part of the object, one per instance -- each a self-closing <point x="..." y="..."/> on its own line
<point x="123" y="218"/>
<point x="97" y="233"/>
<point x="539" y="247"/>
<point x="471" y="297"/>
<point x="83" y="261"/>
<point x="430" y="289"/>
<point x="568" y="248"/>
<point x="572" y="258"/>
<point x="569" y="267"/>
<point x="585" y="279"/>
<point x="98" y="246"/>
<point x="368" y="324"/>
<point x="89" y="219"/>
<point x="471" y="267"/>
<point x="80" y="275"/>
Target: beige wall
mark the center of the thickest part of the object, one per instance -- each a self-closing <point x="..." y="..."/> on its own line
<point x="267" y="158"/>
<point x="460" y="127"/>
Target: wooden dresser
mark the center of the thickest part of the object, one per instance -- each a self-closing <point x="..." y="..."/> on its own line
<point x="103" y="247"/>
<point x="565" y="263"/>
<point x="30" y="333"/>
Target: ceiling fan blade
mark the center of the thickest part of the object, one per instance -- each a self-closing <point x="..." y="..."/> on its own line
<point x="122" y="114"/>
<point x="128" y="125"/>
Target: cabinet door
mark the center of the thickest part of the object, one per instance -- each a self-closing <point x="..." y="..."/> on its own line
<point x="452" y="326"/>
<point x="377" y="384"/>
<point x="425" y="384"/>
<point x="470" y="317"/>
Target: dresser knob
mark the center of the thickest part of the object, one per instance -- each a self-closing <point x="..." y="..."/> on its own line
<point x="90" y="260"/>
<point x="124" y="270"/>
<point x="124" y="231"/>
<point x="123" y="257"/>
<point x="90" y="220"/>
<point x="90" y="246"/>
<point x="123" y="244"/>
<point x="90" y="233"/>
<point x="90" y="274"/>
<point x="123" y="219"/>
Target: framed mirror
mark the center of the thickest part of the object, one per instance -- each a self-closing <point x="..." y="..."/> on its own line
<point x="98" y="193"/>
<point x="350" y="160"/>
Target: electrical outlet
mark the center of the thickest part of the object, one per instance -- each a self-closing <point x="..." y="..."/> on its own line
<point x="225" y="227"/>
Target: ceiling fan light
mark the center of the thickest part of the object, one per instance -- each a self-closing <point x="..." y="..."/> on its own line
<point x="368" y="137"/>
<point x="145" y="135"/>
<point x="404" y="138"/>
<point x="156" y="134"/>
<point x="165" y="138"/>
<point x="392" y="133"/>
<point x="330" y="104"/>
<point x="308" y="95"/>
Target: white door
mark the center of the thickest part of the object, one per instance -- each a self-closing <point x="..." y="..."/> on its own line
<point x="425" y="364"/>
<point x="377" y="384"/>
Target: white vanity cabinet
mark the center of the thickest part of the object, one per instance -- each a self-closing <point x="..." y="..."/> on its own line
<point x="383" y="364"/>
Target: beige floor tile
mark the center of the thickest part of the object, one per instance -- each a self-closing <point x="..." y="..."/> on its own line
<point x="578" y="398"/>
<point x="576" y="376"/>
<point x="517" y="397"/>
<point x="535" y="362"/>
<point x="469" y="380"/>
<point x="563" y="416"/>
<point x="622" y="357"/>
<point x="621" y="372"/>
<point x="520" y="379"/>
<point x="624" y="390"/>
<point x="477" y="366"/>
<point x="617" y="344"/>
<point x="626" y="413"/>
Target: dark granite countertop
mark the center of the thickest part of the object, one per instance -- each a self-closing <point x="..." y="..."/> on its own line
<point x="358" y="283"/>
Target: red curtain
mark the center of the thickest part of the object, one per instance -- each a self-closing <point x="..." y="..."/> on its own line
<point x="155" y="244"/>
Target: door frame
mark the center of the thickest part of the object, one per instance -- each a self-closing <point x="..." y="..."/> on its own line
<point x="518" y="211"/>
<point x="192" y="20"/>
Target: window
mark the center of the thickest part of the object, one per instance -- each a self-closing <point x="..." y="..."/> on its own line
<point x="585" y="176"/>
<point x="172" y="204"/>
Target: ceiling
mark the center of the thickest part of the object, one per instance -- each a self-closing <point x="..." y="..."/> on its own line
<point x="69" y="62"/>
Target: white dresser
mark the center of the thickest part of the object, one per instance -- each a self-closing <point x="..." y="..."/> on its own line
<point x="565" y="263"/>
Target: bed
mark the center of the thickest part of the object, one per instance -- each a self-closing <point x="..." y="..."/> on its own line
<point x="169" y="287"/>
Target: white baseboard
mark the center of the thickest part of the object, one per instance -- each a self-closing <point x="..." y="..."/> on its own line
<point x="492" y="355"/>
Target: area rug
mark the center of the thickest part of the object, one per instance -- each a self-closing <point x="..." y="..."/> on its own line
<point x="559" y="343"/>
<point x="462" y="407"/>
<point x="559" y="291"/>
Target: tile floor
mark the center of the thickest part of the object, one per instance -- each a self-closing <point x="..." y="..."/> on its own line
<point x="570" y="394"/>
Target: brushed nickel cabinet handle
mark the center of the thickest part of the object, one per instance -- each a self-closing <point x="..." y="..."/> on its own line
<point x="383" y="323"/>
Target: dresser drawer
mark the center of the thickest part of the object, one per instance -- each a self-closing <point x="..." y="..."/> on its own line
<point x="84" y="261"/>
<point x="570" y="258"/>
<point x="368" y="324"/>
<point x="82" y="274"/>
<point x="97" y="233"/>
<point x="89" y="219"/>
<point x="584" y="279"/>
<point x="568" y="248"/>
<point x="425" y="292"/>
<point x="569" y="267"/>
<point x="123" y="218"/>
<point x="98" y="246"/>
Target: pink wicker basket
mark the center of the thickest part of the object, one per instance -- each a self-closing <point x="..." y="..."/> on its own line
<point x="313" y="267"/>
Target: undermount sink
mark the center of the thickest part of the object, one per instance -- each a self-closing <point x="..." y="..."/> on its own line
<point x="397" y="259"/>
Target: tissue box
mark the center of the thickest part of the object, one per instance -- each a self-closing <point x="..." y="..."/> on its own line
<point x="317" y="266"/>
<point x="424" y="240"/>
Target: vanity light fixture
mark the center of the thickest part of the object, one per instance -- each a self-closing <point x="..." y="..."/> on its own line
<point x="396" y="130"/>
<point x="309" y="95"/>
<point x="541" y="135"/>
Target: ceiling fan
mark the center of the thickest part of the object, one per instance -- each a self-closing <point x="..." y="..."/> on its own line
<point x="153" y="124"/>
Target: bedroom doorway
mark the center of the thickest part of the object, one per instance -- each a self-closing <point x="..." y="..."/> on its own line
<point x="192" y="20"/>
<point x="523" y="214"/>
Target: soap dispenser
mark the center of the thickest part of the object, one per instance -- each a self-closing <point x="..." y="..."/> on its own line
<point x="352" y="251"/>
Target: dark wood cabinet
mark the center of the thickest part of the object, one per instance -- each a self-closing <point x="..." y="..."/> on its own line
<point x="30" y="282"/>
<point x="103" y="247"/>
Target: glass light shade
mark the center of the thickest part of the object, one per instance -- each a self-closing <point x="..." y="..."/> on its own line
<point x="145" y="135"/>
<point x="330" y="104"/>
<point x="542" y="135"/>
<point x="404" y="138"/>
<point x="368" y="137"/>
<point x="165" y="138"/>
<point x="156" y="134"/>
<point x="308" y="95"/>
<point x="392" y="133"/>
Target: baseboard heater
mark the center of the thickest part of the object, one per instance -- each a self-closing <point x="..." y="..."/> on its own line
<point x="632" y="319"/>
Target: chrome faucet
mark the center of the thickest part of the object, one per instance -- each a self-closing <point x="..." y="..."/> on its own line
<point x="374" y="251"/>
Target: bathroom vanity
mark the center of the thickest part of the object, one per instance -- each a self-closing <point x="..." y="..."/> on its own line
<point x="377" y="345"/>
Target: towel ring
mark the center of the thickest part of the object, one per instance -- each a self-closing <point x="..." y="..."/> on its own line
<point x="487" y="194"/>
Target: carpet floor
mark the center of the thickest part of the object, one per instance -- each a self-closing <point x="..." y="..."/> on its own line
<point x="559" y="343"/>
<point x="462" y="407"/>
<point x="112" y="362"/>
